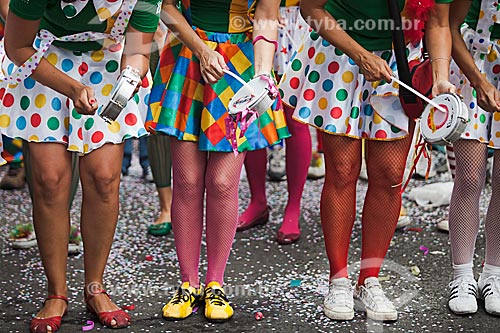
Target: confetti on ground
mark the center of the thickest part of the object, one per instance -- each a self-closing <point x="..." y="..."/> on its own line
<point x="295" y="283"/>
<point x="259" y="315"/>
<point x="415" y="229"/>
<point x="424" y="249"/>
<point x="129" y="307"/>
<point x="415" y="270"/>
<point x="89" y="326"/>
<point x="259" y="271"/>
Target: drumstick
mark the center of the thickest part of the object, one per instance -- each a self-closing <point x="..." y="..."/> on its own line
<point x="239" y="79"/>
<point x="440" y="108"/>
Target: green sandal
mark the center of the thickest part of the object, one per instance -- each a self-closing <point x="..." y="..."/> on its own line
<point x="160" y="229"/>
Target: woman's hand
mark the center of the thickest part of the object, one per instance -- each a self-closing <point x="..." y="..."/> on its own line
<point x="212" y="66"/>
<point x="441" y="87"/>
<point x="374" y="68"/>
<point x="488" y="97"/>
<point x="84" y="100"/>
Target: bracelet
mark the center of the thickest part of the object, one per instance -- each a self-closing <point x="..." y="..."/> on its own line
<point x="440" y="58"/>
<point x="262" y="37"/>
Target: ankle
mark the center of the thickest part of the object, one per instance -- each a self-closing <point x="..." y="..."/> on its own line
<point x="57" y="291"/>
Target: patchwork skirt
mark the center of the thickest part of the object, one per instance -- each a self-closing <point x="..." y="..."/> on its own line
<point x="483" y="126"/>
<point x="184" y="106"/>
<point x="36" y="113"/>
<point x="328" y="91"/>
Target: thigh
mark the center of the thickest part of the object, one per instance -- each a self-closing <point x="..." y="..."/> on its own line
<point x="386" y="160"/>
<point x="342" y="154"/>
<point x="47" y="160"/>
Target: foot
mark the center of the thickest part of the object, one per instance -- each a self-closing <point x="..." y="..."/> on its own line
<point x="403" y="219"/>
<point x="289" y="231"/>
<point x="463" y="296"/>
<point x="48" y="319"/>
<point x="253" y="216"/>
<point x="490" y="292"/>
<point x="217" y="307"/>
<point x="23" y="236"/>
<point x="162" y="226"/>
<point x="443" y="225"/>
<point x="182" y="304"/>
<point x="100" y="304"/>
<point x="14" y="179"/>
<point x="147" y="175"/>
<point x="338" y="304"/>
<point x="317" y="167"/>
<point x="371" y="298"/>
<point x="277" y="165"/>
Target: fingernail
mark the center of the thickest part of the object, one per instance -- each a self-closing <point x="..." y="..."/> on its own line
<point x="92" y="101"/>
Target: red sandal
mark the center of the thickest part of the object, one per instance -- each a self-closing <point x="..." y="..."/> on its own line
<point x="106" y="317"/>
<point x="39" y="325"/>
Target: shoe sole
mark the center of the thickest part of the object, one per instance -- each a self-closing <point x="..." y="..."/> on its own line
<point x="377" y="316"/>
<point x="218" y="321"/>
<point x="24" y="245"/>
<point x="338" y="315"/>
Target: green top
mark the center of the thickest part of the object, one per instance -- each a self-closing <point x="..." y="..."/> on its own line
<point x="144" y="18"/>
<point x="366" y="21"/>
<point x="473" y="17"/>
<point x="218" y="15"/>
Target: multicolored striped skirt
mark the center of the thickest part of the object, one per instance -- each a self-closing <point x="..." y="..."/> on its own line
<point x="183" y="105"/>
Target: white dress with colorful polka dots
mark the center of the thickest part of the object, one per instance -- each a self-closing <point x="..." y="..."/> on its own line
<point x="483" y="126"/>
<point x="328" y="91"/>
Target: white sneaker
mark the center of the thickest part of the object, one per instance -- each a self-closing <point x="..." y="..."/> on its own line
<point x="317" y="167"/>
<point x="490" y="292"/>
<point x="371" y="298"/>
<point x="444" y="226"/>
<point x="463" y="295"/>
<point x="403" y="219"/>
<point x="338" y="304"/>
<point x="277" y="165"/>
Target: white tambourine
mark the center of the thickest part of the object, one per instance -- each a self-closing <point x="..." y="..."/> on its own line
<point x="122" y="92"/>
<point x="444" y="128"/>
<point x="256" y="95"/>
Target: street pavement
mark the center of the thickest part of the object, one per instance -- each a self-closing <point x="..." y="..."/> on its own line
<point x="286" y="284"/>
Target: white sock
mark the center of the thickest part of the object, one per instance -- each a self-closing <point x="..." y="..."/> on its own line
<point x="463" y="270"/>
<point x="489" y="270"/>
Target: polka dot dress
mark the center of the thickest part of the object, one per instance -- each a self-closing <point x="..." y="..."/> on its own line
<point x="483" y="126"/>
<point x="290" y="37"/>
<point x="327" y="91"/>
<point x="37" y="113"/>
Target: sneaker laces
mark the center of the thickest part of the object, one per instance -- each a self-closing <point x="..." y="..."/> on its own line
<point x="216" y="297"/>
<point x="340" y="292"/>
<point x="181" y="296"/>
<point x="378" y="295"/>
<point x="464" y="287"/>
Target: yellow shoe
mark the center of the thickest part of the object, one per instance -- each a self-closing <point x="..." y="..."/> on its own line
<point x="184" y="301"/>
<point x="217" y="307"/>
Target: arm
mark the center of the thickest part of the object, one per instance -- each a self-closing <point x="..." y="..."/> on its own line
<point x="137" y="50"/>
<point x="438" y="42"/>
<point x="373" y="67"/>
<point x="4" y="8"/>
<point x="488" y="97"/>
<point x="265" y="24"/>
<point x="212" y="63"/>
<point x="19" y="37"/>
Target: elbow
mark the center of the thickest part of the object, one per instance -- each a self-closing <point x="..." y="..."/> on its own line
<point x="13" y="53"/>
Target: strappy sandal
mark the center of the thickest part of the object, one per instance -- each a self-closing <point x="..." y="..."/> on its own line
<point x="106" y="317"/>
<point x="39" y="325"/>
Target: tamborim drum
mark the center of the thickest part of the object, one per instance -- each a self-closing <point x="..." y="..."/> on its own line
<point x="444" y="128"/>
<point x="122" y="92"/>
<point x="256" y="95"/>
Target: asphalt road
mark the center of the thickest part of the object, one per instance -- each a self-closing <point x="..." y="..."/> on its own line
<point x="285" y="283"/>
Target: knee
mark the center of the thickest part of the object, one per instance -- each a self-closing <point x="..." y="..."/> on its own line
<point x="49" y="185"/>
<point x="389" y="176"/>
<point x="342" y="174"/>
<point x="470" y="183"/>
<point x="187" y="186"/>
<point x="220" y="186"/>
<point x="106" y="184"/>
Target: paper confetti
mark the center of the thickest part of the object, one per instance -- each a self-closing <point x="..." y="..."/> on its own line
<point x="415" y="229"/>
<point x="295" y="283"/>
<point x="259" y="315"/>
<point x="89" y="326"/>
<point x="130" y="307"/>
<point x="415" y="270"/>
<point x="425" y="249"/>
